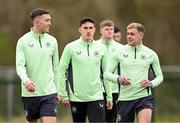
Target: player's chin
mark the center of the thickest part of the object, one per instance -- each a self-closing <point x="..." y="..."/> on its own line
<point x="130" y="43"/>
<point x="89" y="38"/>
<point x="46" y="31"/>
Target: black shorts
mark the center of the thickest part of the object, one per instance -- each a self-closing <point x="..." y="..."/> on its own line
<point x="36" y="107"/>
<point x="94" y="110"/>
<point x="128" y="109"/>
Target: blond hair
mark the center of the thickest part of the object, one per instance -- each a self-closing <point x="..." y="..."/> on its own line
<point x="138" y="26"/>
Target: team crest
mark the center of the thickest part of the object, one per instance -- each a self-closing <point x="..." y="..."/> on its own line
<point x="96" y="53"/>
<point x="142" y="57"/>
<point x="113" y="50"/>
<point x="78" y="52"/>
<point x="48" y="44"/>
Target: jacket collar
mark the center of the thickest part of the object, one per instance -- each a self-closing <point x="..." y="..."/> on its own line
<point x="36" y="36"/>
<point x="84" y="42"/>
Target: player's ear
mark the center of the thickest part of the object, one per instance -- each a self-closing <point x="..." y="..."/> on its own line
<point x="141" y="35"/>
<point x="94" y="29"/>
<point x="80" y="29"/>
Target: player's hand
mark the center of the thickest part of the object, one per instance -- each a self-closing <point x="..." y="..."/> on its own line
<point x="146" y="83"/>
<point x="58" y="99"/>
<point x="124" y="81"/>
<point x="30" y="86"/>
<point x="109" y="105"/>
<point x="66" y="102"/>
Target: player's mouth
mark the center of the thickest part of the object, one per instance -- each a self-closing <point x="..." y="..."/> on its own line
<point x="88" y="35"/>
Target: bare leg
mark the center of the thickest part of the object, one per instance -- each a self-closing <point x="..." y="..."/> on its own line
<point x="48" y="119"/>
<point x="144" y="116"/>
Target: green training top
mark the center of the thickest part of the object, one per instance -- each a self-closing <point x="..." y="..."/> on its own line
<point x="135" y="63"/>
<point x="83" y="61"/>
<point x="37" y="60"/>
<point x="111" y="46"/>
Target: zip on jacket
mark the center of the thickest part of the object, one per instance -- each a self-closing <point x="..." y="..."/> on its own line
<point x="88" y="49"/>
<point x="135" y="53"/>
<point x="40" y="41"/>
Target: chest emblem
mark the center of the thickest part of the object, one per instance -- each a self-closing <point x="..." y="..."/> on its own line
<point x="48" y="44"/>
<point x="113" y="50"/>
<point x="143" y="57"/>
<point x="96" y="53"/>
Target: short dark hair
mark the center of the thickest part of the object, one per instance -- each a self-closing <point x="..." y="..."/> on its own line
<point x="86" y="19"/>
<point x="116" y="29"/>
<point x="106" y="23"/>
<point x="38" y="12"/>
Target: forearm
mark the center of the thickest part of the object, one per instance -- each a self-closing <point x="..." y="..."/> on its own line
<point x="108" y="90"/>
<point x="111" y="77"/>
<point x="158" y="80"/>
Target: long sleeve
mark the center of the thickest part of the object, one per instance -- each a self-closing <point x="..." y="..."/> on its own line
<point x="63" y="65"/>
<point x="157" y="70"/>
<point x="55" y="67"/>
<point x="21" y="62"/>
<point x="112" y="64"/>
<point x="107" y="84"/>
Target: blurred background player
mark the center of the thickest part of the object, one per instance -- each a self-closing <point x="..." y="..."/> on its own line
<point x="117" y="34"/>
<point x="106" y="40"/>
